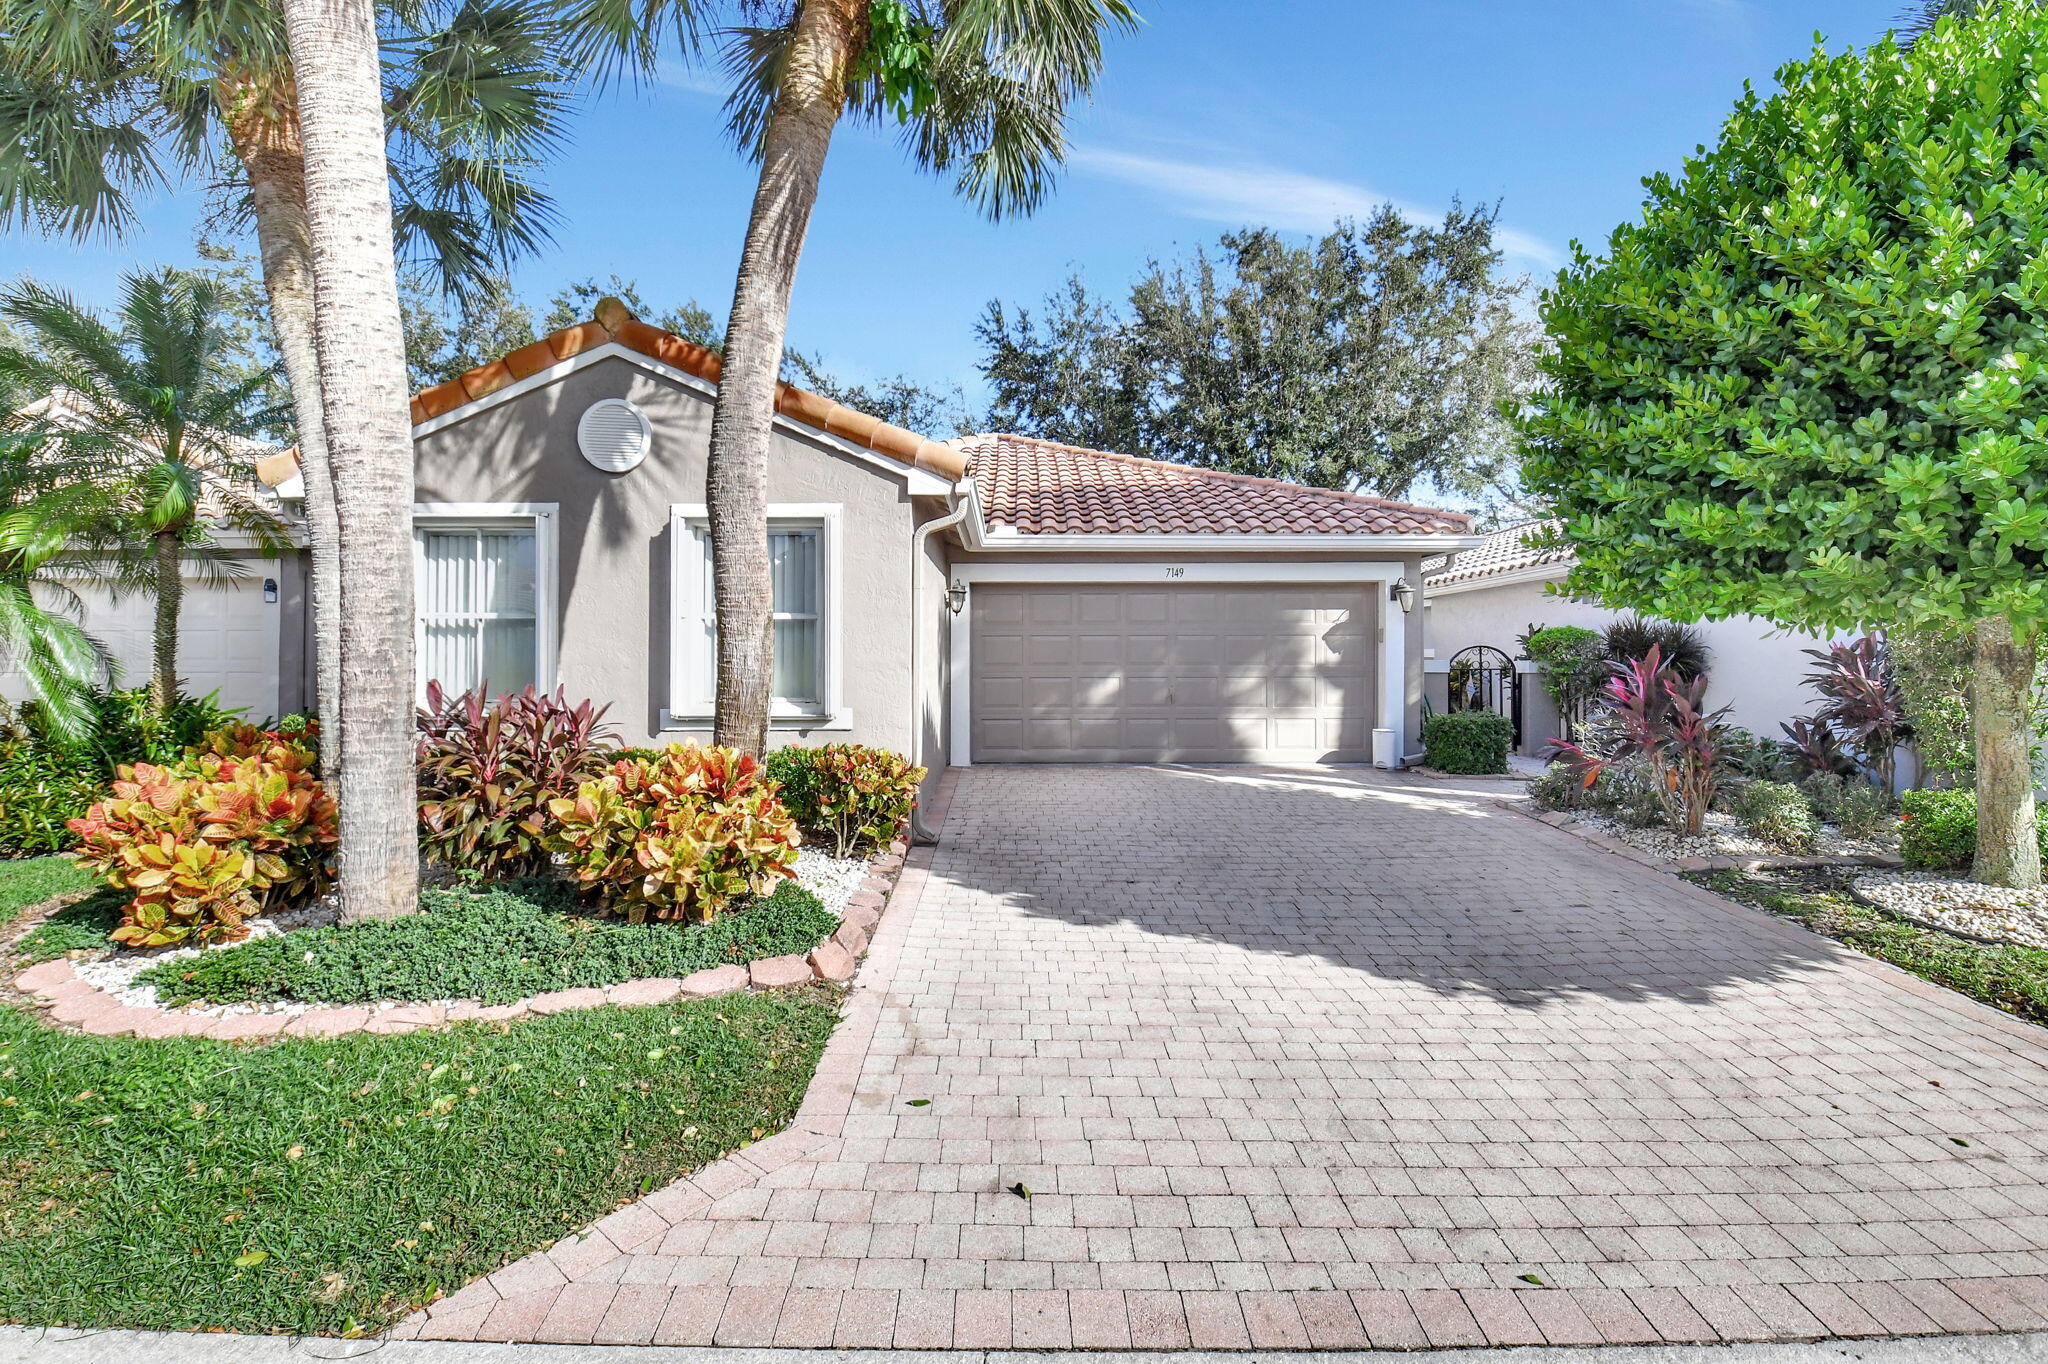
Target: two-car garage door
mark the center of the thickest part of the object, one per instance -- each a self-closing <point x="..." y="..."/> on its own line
<point x="1191" y="673"/>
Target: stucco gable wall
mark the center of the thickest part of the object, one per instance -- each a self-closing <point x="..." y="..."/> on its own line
<point x="613" y="593"/>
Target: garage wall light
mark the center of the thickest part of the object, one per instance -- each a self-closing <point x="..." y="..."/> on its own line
<point x="956" y="598"/>
<point x="1403" y="593"/>
<point x="270" y="589"/>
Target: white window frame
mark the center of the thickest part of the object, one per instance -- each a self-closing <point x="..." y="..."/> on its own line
<point x="543" y="517"/>
<point x="691" y="606"/>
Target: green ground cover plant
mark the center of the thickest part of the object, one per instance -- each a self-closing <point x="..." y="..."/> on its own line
<point x="520" y="939"/>
<point x="2005" y="976"/>
<point x="332" y="1186"/>
<point x="83" y="924"/>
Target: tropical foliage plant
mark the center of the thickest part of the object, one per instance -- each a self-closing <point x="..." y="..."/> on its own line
<point x="488" y="770"/>
<point x="1806" y="386"/>
<point x="1653" y="715"/>
<point x="1683" y="649"/>
<point x="238" y="826"/>
<point x="680" y="836"/>
<point x="1862" y="702"/>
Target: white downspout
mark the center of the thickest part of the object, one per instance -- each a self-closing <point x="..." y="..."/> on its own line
<point x="958" y="508"/>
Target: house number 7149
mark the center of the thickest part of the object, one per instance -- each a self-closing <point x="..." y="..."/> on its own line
<point x="1176" y="572"/>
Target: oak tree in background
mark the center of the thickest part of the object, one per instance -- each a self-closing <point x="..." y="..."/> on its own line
<point x="980" y="90"/>
<point x="1810" y="384"/>
<point x="1375" y="358"/>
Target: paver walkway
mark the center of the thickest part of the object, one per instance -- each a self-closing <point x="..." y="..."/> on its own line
<point x="1336" y="1058"/>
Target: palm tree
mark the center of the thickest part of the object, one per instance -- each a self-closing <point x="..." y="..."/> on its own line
<point x="105" y="93"/>
<point x="980" y="89"/>
<point x="40" y="633"/>
<point x="144" y="443"/>
<point x="1921" y="16"/>
<point x="360" y="341"/>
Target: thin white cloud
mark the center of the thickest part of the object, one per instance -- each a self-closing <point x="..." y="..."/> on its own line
<point x="673" y="75"/>
<point x="1247" y="192"/>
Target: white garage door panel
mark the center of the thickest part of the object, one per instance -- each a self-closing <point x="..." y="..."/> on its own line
<point x="1101" y="673"/>
<point x="227" y="640"/>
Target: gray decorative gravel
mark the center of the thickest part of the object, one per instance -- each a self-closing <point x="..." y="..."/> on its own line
<point x="1945" y="901"/>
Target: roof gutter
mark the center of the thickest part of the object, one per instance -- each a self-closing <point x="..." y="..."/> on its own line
<point x="959" y="507"/>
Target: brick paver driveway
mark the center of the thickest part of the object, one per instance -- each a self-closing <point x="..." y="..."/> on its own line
<point x="1334" y="1058"/>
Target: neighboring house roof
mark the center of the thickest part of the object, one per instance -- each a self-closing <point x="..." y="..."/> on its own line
<point x="65" y="408"/>
<point x="1040" y="487"/>
<point x="1504" y="552"/>
<point x="612" y="323"/>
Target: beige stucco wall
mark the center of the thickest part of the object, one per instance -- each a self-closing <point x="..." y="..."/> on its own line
<point x="613" y="594"/>
<point x="1756" y="667"/>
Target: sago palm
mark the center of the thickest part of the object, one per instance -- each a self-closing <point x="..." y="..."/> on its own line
<point x="111" y="98"/>
<point x="141" y="450"/>
<point x="980" y="90"/>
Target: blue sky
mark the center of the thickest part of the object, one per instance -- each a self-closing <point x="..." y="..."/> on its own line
<point x="1214" y="115"/>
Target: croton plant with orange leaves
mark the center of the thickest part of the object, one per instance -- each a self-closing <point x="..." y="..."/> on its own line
<point x="239" y="826"/>
<point x="680" y="835"/>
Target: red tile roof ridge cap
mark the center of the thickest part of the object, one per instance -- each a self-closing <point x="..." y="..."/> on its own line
<point x="611" y="316"/>
<point x="966" y="442"/>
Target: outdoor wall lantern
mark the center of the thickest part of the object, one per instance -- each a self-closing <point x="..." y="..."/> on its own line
<point x="270" y="589"/>
<point x="956" y="598"/>
<point x="1403" y="593"/>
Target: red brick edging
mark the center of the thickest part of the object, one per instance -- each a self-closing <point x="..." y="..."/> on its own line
<point x="76" y="1003"/>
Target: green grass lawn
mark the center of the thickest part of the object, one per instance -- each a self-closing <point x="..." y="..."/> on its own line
<point x="32" y="880"/>
<point x="2005" y="976"/>
<point x="331" y="1186"/>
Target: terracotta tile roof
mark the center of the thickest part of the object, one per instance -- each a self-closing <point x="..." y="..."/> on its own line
<point x="65" y="408"/>
<point x="611" y="322"/>
<point x="1040" y="487"/>
<point x="1505" y="551"/>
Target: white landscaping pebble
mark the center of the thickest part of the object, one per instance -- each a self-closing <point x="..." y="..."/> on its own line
<point x="1722" y="835"/>
<point x="1942" y="900"/>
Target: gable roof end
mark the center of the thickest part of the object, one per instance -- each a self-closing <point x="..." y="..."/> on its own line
<point x="1039" y="487"/>
<point x="1505" y="551"/>
<point x="613" y="324"/>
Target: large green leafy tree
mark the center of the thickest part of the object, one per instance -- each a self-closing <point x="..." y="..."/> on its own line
<point x="980" y="90"/>
<point x="142" y="445"/>
<point x="1376" y="356"/>
<point x="1810" y="384"/>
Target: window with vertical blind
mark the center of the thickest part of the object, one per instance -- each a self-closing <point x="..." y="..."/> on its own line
<point x="483" y="587"/>
<point x="801" y="556"/>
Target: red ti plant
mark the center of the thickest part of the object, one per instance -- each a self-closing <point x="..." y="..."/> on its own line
<point x="1862" y="703"/>
<point x="488" y="769"/>
<point x="1651" y="713"/>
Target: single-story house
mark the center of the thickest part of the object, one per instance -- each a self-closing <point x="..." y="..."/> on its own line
<point x="1488" y="596"/>
<point x="988" y="599"/>
<point x="242" y="625"/>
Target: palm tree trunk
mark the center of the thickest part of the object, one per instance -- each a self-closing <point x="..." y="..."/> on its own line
<point x="274" y="160"/>
<point x="829" y="38"/>
<point x="2002" y="718"/>
<point x="361" y="347"/>
<point x="170" y="595"/>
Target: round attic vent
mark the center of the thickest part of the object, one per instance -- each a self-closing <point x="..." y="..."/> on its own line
<point x="613" y="435"/>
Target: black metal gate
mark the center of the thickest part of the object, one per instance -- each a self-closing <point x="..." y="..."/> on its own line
<point x="1483" y="678"/>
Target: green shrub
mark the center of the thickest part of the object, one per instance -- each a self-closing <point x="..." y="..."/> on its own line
<point x="1469" y="742"/>
<point x="1626" y="791"/>
<point x="1851" y="804"/>
<point x="517" y="939"/>
<point x="1571" y="661"/>
<point x="47" y="780"/>
<point x="487" y="770"/>
<point x="1779" y="814"/>
<point x="680" y="836"/>
<point x="797" y="778"/>
<point x="1938" y="829"/>
<point x="1558" y="788"/>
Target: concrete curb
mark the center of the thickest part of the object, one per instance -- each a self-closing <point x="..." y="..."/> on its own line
<point x="72" y="1002"/>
